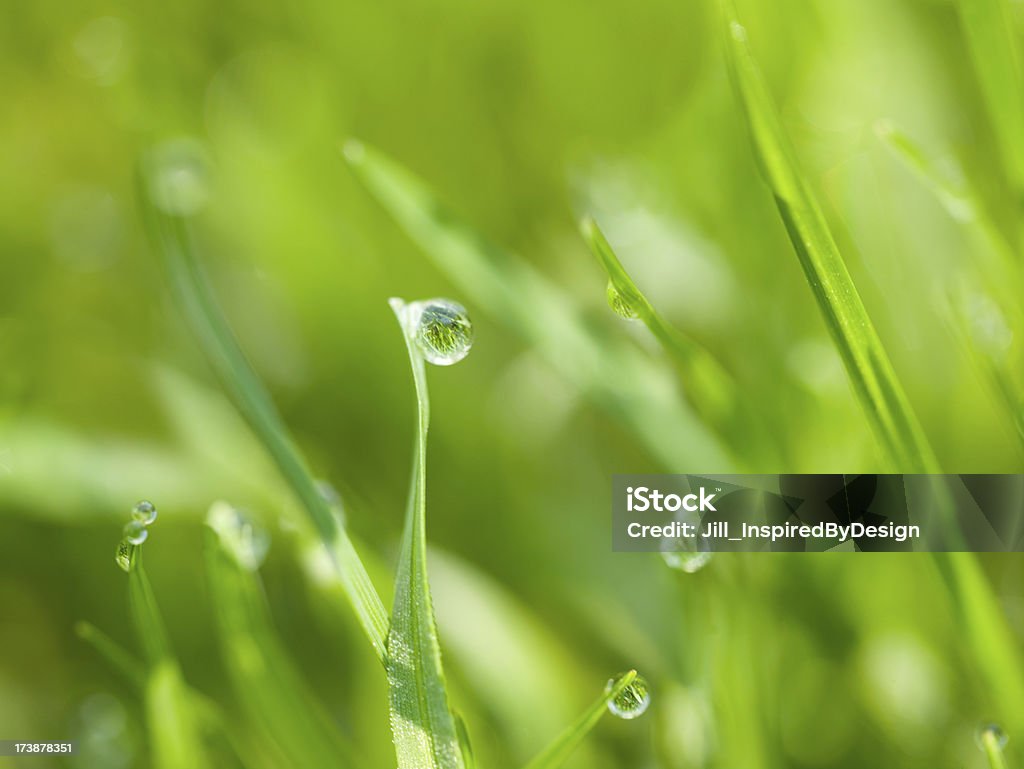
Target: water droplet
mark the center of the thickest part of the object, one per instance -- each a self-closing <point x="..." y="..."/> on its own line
<point x="688" y="561"/>
<point x="631" y="702"/>
<point x="738" y="31"/>
<point x="687" y="554"/>
<point x="144" y="512"/>
<point x="243" y="537"/>
<point x="123" y="558"/>
<point x="135" y="532"/>
<point x="618" y="303"/>
<point x="179" y="178"/>
<point x="990" y="729"/>
<point x="441" y="329"/>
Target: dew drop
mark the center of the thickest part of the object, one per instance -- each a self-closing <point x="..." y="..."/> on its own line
<point x="688" y="561"/>
<point x="441" y="329"/>
<point x="123" y="558"/>
<point x="135" y="532"/>
<point x="243" y="537"/>
<point x="993" y="731"/>
<point x="618" y="303"/>
<point x="631" y="702"/>
<point x="144" y="512"/>
<point x="179" y="180"/>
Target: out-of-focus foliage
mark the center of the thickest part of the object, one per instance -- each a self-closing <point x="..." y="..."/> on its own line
<point x="522" y="116"/>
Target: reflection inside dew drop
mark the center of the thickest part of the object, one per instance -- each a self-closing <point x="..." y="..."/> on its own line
<point x="179" y="176"/>
<point x="441" y="329"/>
<point x="631" y="702"/>
<point x="123" y="557"/>
<point x="686" y="554"/>
<point x="618" y="303"/>
<point x="993" y="732"/>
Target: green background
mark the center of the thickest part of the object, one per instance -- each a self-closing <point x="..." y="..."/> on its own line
<point x="523" y="116"/>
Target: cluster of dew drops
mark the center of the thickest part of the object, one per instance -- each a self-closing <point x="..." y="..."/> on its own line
<point x="135" y="532"/>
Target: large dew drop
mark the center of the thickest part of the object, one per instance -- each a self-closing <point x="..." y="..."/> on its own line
<point x="135" y="533"/>
<point x="441" y="329"/>
<point x="123" y="557"/>
<point x="990" y="732"/>
<point x="631" y="702"/>
<point x="618" y="303"/>
<point x="144" y="512"/>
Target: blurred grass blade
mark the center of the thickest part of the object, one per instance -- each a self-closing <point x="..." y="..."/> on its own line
<point x="867" y="364"/>
<point x="118" y="657"/>
<point x="710" y="389"/>
<point x="989" y="31"/>
<point x="195" y="298"/>
<point x="424" y="729"/>
<point x="999" y="270"/>
<point x="271" y="691"/>
<point x="171" y="719"/>
<point x="607" y="368"/>
<point x="560" y="750"/>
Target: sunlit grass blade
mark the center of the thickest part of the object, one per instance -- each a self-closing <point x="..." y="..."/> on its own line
<point x="559" y="751"/>
<point x="424" y="729"/>
<point x="710" y="389"/>
<point x="271" y="691"/>
<point x="993" y="750"/>
<point x="197" y="302"/>
<point x="867" y="365"/>
<point x="990" y="35"/>
<point x="608" y="369"/>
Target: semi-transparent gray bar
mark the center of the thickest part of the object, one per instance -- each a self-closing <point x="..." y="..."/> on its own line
<point x="29" y="748"/>
<point x="815" y="513"/>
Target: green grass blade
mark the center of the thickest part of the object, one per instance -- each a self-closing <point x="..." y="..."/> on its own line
<point x="559" y="751"/>
<point x="710" y="389"/>
<point x="149" y="625"/>
<point x="989" y="33"/>
<point x="271" y="691"/>
<point x="195" y="298"/>
<point x="867" y="365"/>
<point x="608" y="369"/>
<point x="115" y="654"/>
<point x="425" y="732"/>
<point x="993" y="750"/>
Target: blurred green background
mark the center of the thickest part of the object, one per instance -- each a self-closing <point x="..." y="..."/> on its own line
<point x="523" y="116"/>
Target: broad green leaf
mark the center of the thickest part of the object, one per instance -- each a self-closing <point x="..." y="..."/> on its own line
<point x="608" y="369"/>
<point x="710" y="389"/>
<point x="990" y="35"/>
<point x="559" y="751"/>
<point x="195" y="298"/>
<point x="271" y="691"/>
<point x="424" y="729"/>
<point x="867" y="365"/>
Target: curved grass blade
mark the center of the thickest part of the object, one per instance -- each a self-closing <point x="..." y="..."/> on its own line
<point x="198" y="304"/>
<point x="116" y="655"/>
<point x="271" y="691"/>
<point x="989" y="33"/>
<point x="867" y="364"/>
<point x="424" y="729"/>
<point x="993" y="750"/>
<point x="559" y="751"/>
<point x="608" y="369"/>
<point x="710" y="389"/>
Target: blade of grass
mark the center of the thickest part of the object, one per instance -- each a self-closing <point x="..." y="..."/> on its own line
<point x="270" y="689"/>
<point x="425" y="732"/>
<point x="710" y="389"/>
<point x="988" y="31"/>
<point x="170" y="716"/>
<point x="118" y="658"/>
<point x="993" y="750"/>
<point x="196" y="300"/>
<point x="608" y="369"/>
<point x="1001" y="274"/>
<point x="867" y="364"/>
<point x="559" y="751"/>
